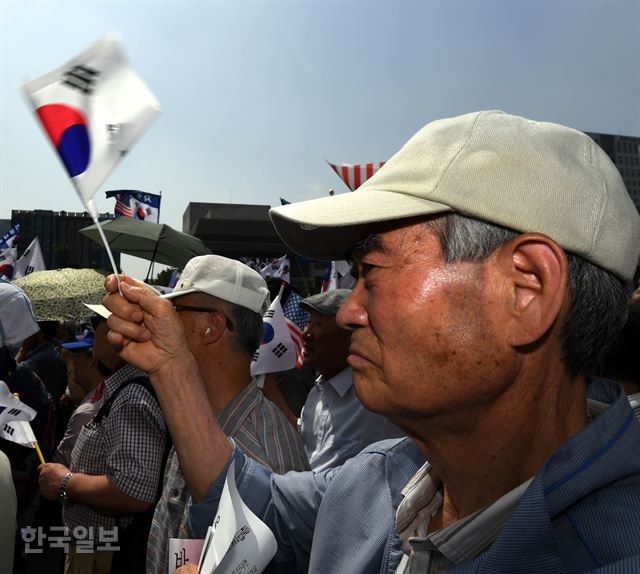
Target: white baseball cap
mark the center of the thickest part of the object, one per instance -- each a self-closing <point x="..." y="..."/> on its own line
<point x="224" y="278"/>
<point x="17" y="321"/>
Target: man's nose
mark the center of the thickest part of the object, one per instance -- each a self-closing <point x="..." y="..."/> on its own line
<point x="353" y="312"/>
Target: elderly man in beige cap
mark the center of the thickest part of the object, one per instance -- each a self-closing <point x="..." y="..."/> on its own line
<point x="495" y="256"/>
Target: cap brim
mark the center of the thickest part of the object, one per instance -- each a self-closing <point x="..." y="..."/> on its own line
<point x="175" y="294"/>
<point x="77" y="345"/>
<point x="328" y="227"/>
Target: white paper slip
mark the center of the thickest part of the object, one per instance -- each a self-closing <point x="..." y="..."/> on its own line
<point x="183" y="551"/>
<point x="237" y="542"/>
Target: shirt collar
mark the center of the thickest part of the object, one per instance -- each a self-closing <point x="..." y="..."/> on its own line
<point x="341" y="382"/>
<point x="234" y="413"/>
<point x="465" y="538"/>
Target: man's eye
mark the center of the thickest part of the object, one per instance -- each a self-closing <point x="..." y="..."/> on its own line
<point x="366" y="268"/>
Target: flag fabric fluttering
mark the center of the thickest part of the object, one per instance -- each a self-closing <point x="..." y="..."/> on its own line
<point x="277" y="351"/>
<point x="93" y="109"/>
<point x="13" y="409"/>
<point x="136" y="204"/>
<point x="31" y="260"/>
<point x="19" y="432"/>
<point x="297" y="320"/>
<point x="8" y="262"/>
<point x="355" y="175"/>
<point x="277" y="269"/>
<point x="10" y="238"/>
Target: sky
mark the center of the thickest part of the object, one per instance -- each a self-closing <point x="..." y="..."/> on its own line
<point x="257" y="96"/>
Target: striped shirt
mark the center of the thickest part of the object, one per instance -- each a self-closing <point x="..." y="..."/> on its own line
<point x="260" y="430"/>
<point x="127" y="446"/>
<point x="464" y="539"/>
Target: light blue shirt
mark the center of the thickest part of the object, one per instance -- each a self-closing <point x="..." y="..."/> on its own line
<point x="347" y="512"/>
<point x="335" y="426"/>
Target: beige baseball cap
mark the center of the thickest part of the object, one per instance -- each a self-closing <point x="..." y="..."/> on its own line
<point x="224" y="278"/>
<point x="526" y="175"/>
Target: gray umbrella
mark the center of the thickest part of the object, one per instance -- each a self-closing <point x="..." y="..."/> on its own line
<point x="152" y="241"/>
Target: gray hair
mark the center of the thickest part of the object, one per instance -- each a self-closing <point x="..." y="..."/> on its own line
<point x="599" y="300"/>
<point x="246" y="325"/>
<point x="247" y="328"/>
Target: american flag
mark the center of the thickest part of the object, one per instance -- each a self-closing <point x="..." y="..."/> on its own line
<point x="121" y="207"/>
<point x="355" y="175"/>
<point x="297" y="320"/>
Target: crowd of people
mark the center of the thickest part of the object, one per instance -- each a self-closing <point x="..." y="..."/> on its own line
<point x="477" y="392"/>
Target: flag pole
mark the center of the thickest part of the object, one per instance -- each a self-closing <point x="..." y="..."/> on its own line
<point x="91" y="207"/>
<point x="35" y="444"/>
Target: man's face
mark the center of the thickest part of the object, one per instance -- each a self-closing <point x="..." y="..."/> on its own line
<point x="424" y="338"/>
<point x="325" y="345"/>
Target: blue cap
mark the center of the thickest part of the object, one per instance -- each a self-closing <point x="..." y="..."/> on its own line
<point x="86" y="343"/>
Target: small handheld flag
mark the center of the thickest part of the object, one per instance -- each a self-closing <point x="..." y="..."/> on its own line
<point x="12" y="408"/>
<point x="277" y="351"/>
<point x="93" y="109"/>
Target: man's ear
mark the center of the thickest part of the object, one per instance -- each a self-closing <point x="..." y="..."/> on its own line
<point x="536" y="270"/>
<point x="214" y="328"/>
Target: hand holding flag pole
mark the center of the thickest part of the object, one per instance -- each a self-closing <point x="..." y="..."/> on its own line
<point x="93" y="109"/>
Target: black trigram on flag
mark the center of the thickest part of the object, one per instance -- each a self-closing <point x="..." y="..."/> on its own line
<point x="269" y="314"/>
<point x="29" y="270"/>
<point x="279" y="350"/>
<point x="255" y="356"/>
<point x="9" y="430"/>
<point x="81" y="78"/>
<point x="14" y="411"/>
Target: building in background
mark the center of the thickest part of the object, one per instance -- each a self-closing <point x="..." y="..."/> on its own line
<point x="62" y="245"/>
<point x="245" y="232"/>
<point x="624" y="151"/>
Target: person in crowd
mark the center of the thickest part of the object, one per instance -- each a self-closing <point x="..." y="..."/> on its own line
<point x="494" y="257"/>
<point x="334" y="425"/>
<point x="8" y="513"/>
<point x="39" y="353"/>
<point x="110" y="489"/>
<point x="220" y="303"/>
<point x="18" y="323"/>
<point x="85" y="380"/>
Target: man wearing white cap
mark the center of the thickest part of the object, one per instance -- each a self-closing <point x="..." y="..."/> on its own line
<point x="220" y="303"/>
<point x="495" y="256"/>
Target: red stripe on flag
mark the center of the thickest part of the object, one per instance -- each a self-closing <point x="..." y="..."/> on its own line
<point x="345" y="175"/>
<point x="369" y="170"/>
<point x="356" y="176"/>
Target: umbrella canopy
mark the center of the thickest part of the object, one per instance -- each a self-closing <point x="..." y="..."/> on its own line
<point x="58" y="295"/>
<point x="152" y="241"/>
